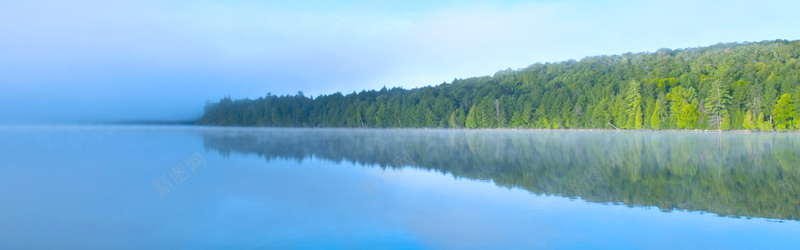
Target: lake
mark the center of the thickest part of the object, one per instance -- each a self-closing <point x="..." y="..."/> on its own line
<point x="155" y="187"/>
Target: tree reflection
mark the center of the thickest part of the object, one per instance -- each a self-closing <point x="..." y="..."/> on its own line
<point x="731" y="174"/>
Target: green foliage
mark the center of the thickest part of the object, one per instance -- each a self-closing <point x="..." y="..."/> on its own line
<point x="763" y="125"/>
<point x="634" y="100"/>
<point x="683" y="89"/>
<point x="471" y="123"/>
<point x="748" y="123"/>
<point x="659" y="113"/>
<point x="716" y="103"/>
<point x="688" y="117"/>
<point x="454" y="122"/>
<point x="543" y="123"/>
<point x="683" y="108"/>
<point x="783" y="112"/>
<point x="725" y="125"/>
<point x="655" y="121"/>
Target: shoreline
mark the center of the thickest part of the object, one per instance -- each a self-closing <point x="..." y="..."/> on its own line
<point x="704" y="131"/>
<point x="89" y="125"/>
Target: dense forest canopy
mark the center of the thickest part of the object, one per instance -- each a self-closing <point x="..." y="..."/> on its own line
<point x="753" y="86"/>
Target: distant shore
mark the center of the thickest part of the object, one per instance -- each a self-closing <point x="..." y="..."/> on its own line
<point x="525" y="129"/>
<point x="146" y="122"/>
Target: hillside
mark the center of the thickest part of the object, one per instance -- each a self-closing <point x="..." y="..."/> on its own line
<point x="753" y="86"/>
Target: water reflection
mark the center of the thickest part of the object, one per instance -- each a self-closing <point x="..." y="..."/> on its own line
<point x="734" y="175"/>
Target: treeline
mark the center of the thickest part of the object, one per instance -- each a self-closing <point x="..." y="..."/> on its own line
<point x="753" y="86"/>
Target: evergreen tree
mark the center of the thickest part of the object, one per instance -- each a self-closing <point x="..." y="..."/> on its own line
<point x="749" y="123"/>
<point x="716" y="101"/>
<point x="684" y="112"/>
<point x="763" y="125"/>
<point x="783" y="112"/>
<point x="453" y="119"/>
<point x="471" y="120"/>
<point x="725" y="125"/>
<point x="685" y="89"/>
<point x="516" y="120"/>
<point x="689" y="115"/>
<point x="543" y="123"/>
<point x="634" y="100"/>
<point x="655" y="121"/>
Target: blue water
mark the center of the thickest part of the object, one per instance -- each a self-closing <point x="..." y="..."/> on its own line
<point x="93" y="188"/>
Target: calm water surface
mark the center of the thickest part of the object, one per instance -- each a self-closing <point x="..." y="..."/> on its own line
<point x="157" y="187"/>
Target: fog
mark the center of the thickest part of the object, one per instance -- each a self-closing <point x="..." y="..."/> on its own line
<point x="89" y="61"/>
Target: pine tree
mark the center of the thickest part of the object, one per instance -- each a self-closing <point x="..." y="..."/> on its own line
<point x="783" y="112"/>
<point x="574" y="95"/>
<point x="471" y="123"/>
<point x="683" y="114"/>
<point x="689" y="115"/>
<point x="796" y="112"/>
<point x="638" y="120"/>
<point x="543" y="123"/>
<point x="526" y="115"/>
<point x="516" y="120"/>
<point x="716" y="101"/>
<point x="763" y="125"/>
<point x="725" y="125"/>
<point x="659" y="114"/>
<point x="655" y="121"/>
<point x="633" y="99"/>
<point x="453" y="120"/>
<point x="381" y="116"/>
<point x="749" y="124"/>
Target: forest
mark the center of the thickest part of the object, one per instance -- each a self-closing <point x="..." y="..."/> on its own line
<point x="731" y="86"/>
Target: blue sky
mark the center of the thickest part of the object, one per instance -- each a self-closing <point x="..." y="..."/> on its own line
<point x="90" y="60"/>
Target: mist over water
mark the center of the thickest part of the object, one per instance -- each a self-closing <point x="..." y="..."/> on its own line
<point x="729" y="174"/>
<point x="200" y="187"/>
